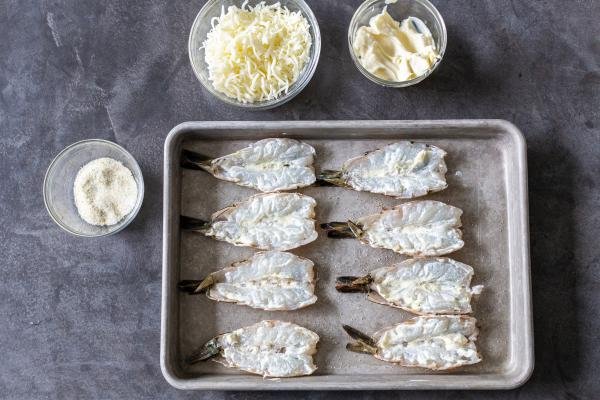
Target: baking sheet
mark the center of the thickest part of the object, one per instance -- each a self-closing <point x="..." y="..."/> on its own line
<point x="486" y="179"/>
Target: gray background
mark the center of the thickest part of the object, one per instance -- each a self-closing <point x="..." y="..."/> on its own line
<point x="80" y="318"/>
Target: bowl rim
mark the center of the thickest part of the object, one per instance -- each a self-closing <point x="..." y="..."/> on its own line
<point x="119" y="225"/>
<point x="303" y="80"/>
<point x="443" y="43"/>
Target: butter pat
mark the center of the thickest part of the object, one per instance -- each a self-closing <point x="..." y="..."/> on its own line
<point x="394" y="51"/>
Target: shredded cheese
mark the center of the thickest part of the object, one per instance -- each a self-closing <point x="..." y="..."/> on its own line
<point x="256" y="53"/>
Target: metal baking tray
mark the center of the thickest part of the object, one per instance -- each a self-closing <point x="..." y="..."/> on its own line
<point x="487" y="177"/>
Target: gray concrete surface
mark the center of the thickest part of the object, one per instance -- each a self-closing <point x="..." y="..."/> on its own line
<point x="80" y="318"/>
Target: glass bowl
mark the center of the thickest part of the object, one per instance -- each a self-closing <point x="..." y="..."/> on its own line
<point x="399" y="10"/>
<point x="60" y="177"/>
<point x="202" y="25"/>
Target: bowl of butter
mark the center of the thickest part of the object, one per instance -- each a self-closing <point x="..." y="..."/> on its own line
<point x="397" y="43"/>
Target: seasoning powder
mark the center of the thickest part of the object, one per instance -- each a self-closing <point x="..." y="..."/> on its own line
<point x="105" y="192"/>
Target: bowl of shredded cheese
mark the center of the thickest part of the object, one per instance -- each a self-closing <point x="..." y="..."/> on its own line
<point x="93" y="188"/>
<point x="254" y="54"/>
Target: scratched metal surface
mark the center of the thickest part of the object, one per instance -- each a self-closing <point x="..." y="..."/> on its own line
<point x="477" y="183"/>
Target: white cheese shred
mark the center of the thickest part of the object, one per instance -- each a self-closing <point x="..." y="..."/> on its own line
<point x="256" y="53"/>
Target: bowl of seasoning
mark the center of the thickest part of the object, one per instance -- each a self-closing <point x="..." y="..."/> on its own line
<point x="93" y="188"/>
<point x="254" y="54"/>
<point x="397" y="43"/>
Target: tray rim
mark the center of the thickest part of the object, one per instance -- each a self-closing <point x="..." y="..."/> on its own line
<point x="517" y="376"/>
